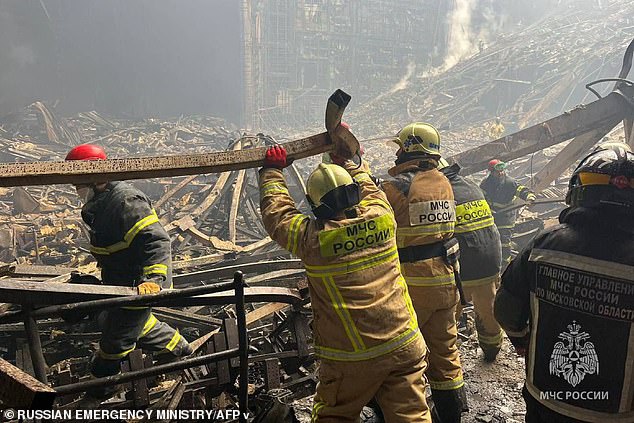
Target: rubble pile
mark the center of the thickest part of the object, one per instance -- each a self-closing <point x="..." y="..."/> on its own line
<point x="524" y="77"/>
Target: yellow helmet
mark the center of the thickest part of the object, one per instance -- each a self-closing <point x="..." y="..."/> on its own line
<point x="419" y="137"/>
<point x="330" y="189"/>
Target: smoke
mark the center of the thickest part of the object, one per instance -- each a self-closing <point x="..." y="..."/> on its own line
<point x="462" y="42"/>
<point x="404" y="82"/>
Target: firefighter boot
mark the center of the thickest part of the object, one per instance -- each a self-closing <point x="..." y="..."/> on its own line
<point x="490" y="352"/>
<point x="448" y="405"/>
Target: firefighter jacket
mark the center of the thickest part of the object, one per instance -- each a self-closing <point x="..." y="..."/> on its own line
<point x="569" y="297"/>
<point x="425" y="214"/>
<point x="500" y="193"/>
<point x="126" y="238"/>
<point x="480" y="251"/>
<point x="361" y="306"/>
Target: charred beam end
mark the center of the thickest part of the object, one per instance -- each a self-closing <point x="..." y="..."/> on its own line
<point x="74" y="172"/>
<point x="21" y="390"/>
<point x="604" y="112"/>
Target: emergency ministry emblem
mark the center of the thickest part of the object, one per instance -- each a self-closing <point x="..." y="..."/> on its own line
<point x="575" y="357"/>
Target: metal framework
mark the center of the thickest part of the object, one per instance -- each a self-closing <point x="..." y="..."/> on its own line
<point x="186" y="296"/>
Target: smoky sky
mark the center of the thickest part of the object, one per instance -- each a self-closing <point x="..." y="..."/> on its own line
<point x="127" y="58"/>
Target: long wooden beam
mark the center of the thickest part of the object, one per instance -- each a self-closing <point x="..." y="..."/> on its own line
<point x="566" y="157"/>
<point x="605" y="112"/>
<point x="78" y="171"/>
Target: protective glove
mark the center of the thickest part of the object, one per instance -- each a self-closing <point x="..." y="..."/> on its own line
<point x="530" y="198"/>
<point x="338" y="160"/>
<point x="275" y="157"/>
<point x="149" y="288"/>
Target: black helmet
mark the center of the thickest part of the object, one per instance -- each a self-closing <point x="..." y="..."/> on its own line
<point x="604" y="178"/>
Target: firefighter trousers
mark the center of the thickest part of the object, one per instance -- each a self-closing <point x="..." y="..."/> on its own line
<point x="482" y="295"/>
<point x="435" y="307"/>
<point x="396" y="380"/>
<point x="122" y="330"/>
<point x="506" y="233"/>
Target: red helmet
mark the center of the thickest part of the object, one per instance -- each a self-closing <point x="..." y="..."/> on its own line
<point x="496" y="164"/>
<point x="86" y="152"/>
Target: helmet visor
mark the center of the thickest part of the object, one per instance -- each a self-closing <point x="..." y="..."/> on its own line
<point x="589" y="178"/>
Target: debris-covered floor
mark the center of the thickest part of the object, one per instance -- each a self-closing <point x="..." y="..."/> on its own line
<point x="494" y="389"/>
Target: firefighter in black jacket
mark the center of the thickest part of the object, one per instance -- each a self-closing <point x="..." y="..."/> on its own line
<point x="132" y="249"/>
<point x="500" y="191"/>
<point x="480" y="254"/>
<point x="567" y="301"/>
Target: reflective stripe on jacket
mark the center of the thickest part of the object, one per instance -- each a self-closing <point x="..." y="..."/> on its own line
<point x="425" y="213"/>
<point x="571" y="290"/>
<point x="361" y="306"/>
<point x="126" y="238"/>
<point x="480" y="248"/>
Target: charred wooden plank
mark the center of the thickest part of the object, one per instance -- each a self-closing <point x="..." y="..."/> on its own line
<point x="27" y="292"/>
<point x="80" y="171"/>
<point x="21" y="390"/>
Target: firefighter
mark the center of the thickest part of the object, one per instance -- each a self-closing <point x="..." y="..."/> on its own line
<point x="365" y="328"/>
<point x="496" y="129"/>
<point x="567" y="301"/>
<point x="423" y="204"/>
<point x="132" y="249"/>
<point x="480" y="254"/>
<point x="501" y="191"/>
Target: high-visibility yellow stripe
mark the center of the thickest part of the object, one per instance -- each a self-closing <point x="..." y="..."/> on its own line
<point x="379" y="350"/>
<point x="172" y="343"/>
<point x="403" y="233"/>
<point x="439" y="280"/>
<point x="491" y="340"/>
<point x="155" y="269"/>
<point x="433" y="228"/>
<point x="360" y="177"/>
<point x="481" y="281"/>
<point x="293" y="233"/>
<point x="352" y="266"/>
<point x="117" y="356"/>
<point x="271" y="188"/>
<point x="413" y="322"/>
<point x="314" y="417"/>
<point x="340" y="307"/>
<point x="149" y="324"/>
<point x="447" y="385"/>
<point x="474" y="226"/>
<point x="376" y="202"/>
<point x="128" y="237"/>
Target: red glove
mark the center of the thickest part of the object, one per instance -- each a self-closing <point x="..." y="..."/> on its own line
<point x="275" y="157"/>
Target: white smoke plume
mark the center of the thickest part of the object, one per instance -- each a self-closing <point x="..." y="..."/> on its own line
<point x="461" y="41"/>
